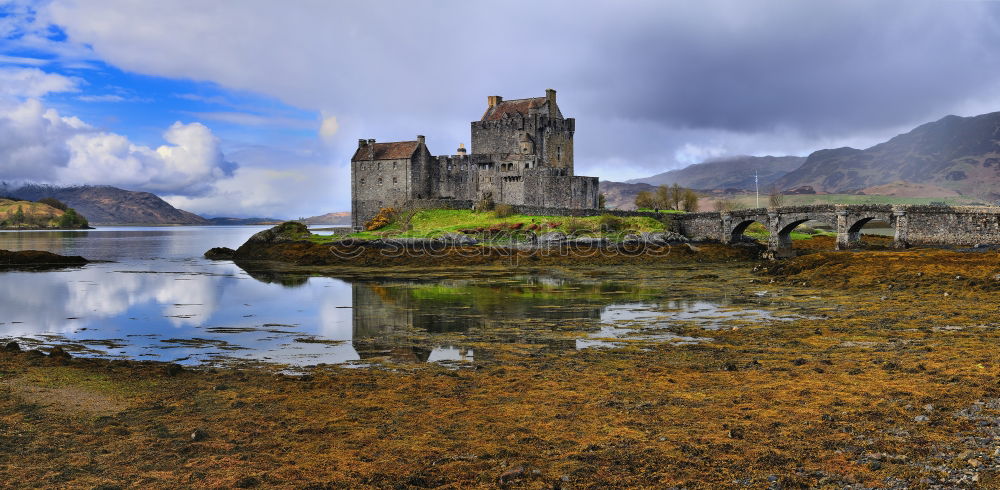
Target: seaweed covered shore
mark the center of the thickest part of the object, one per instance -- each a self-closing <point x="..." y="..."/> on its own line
<point x="892" y="384"/>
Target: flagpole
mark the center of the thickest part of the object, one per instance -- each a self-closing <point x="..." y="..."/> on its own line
<point x="756" y="187"/>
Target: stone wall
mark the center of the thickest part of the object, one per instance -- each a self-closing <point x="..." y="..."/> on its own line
<point x="964" y="226"/>
<point x="700" y="226"/>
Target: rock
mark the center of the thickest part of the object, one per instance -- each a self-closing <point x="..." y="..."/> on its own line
<point x="552" y="237"/>
<point x="38" y="258"/>
<point x="58" y="353"/>
<point x="289" y="231"/>
<point x="173" y="369"/>
<point x="198" y="435"/>
<point x="799" y="362"/>
<point x="692" y="248"/>
<point x="247" y="482"/>
<point x="220" y="253"/>
<point x="458" y="239"/>
<point x="587" y="241"/>
<point x="511" y="475"/>
<point x="928" y="408"/>
<point x="12" y="347"/>
<point x="921" y="418"/>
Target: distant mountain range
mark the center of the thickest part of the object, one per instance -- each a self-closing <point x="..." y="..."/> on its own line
<point x="727" y="173"/>
<point x="952" y="156"/>
<point x="337" y="218"/>
<point x="106" y="205"/>
<point x="957" y="153"/>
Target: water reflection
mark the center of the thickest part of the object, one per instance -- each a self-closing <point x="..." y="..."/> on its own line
<point x="160" y="301"/>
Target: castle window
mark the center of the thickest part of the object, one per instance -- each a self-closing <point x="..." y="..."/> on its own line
<point x="394" y="165"/>
<point x="559" y="153"/>
<point x="378" y="166"/>
<point x="525" y="165"/>
<point x="362" y="182"/>
<point x="380" y="181"/>
<point x="394" y="180"/>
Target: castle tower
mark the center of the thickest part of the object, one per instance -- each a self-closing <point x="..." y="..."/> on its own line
<point x="533" y="127"/>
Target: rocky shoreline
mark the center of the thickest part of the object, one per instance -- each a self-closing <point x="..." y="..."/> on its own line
<point x="293" y="243"/>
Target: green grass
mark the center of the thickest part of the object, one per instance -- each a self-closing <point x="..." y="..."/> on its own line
<point x="436" y="222"/>
<point x="758" y="232"/>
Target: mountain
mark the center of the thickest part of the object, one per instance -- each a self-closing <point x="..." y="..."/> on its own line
<point x="727" y="173"/>
<point x="105" y="205"/>
<point x="961" y="154"/>
<point x="621" y="195"/>
<point x="335" y="218"/>
<point x="244" y="221"/>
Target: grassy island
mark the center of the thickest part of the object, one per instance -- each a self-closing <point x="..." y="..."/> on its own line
<point x="45" y="214"/>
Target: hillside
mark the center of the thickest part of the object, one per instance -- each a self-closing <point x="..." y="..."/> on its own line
<point x="107" y="205"/>
<point x="335" y="218"/>
<point x="16" y="214"/>
<point x="621" y="195"/>
<point x="961" y="154"/>
<point x="727" y="173"/>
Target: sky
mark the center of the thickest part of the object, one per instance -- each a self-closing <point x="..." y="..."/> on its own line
<point x="254" y="108"/>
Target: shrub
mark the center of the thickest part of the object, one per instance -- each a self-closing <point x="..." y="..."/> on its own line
<point x="384" y="217"/>
<point x="504" y="210"/>
<point x="70" y="219"/>
<point x="608" y="223"/>
<point x="516" y="226"/>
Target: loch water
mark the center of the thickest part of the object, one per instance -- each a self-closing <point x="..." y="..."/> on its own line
<point x="153" y="296"/>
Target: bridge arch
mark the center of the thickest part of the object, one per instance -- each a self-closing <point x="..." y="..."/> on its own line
<point x="850" y="226"/>
<point x="736" y="234"/>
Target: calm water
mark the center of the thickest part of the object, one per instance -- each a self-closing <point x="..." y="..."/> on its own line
<point x="157" y="298"/>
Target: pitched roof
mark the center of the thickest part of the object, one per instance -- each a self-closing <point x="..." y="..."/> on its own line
<point x="387" y="151"/>
<point x="512" y="107"/>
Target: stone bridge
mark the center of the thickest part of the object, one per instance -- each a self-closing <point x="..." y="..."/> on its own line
<point x="942" y="225"/>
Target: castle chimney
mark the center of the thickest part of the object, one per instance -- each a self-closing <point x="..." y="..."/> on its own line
<point x="420" y="139"/>
<point x="461" y="150"/>
<point x="493" y="100"/>
<point x="371" y="149"/>
<point x="361" y="143"/>
<point x="550" y="97"/>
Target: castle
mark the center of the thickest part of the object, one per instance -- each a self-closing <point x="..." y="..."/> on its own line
<point x="522" y="154"/>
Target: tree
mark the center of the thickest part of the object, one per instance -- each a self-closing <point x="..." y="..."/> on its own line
<point x="18" y="216"/>
<point x="676" y="196"/>
<point x="645" y="200"/>
<point x="776" y="198"/>
<point x="663" y="197"/>
<point x="690" y="201"/>
<point x="602" y="201"/>
<point x="724" y="205"/>
<point x="72" y="219"/>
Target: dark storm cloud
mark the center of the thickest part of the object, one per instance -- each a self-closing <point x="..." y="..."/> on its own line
<point x="650" y="82"/>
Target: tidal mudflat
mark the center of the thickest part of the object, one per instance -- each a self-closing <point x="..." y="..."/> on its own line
<point x="863" y="369"/>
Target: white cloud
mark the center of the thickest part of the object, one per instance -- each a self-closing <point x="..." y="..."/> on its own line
<point x="101" y="98"/>
<point x="32" y="82"/>
<point x="328" y="129"/>
<point x="250" y="119"/>
<point x="253" y="191"/>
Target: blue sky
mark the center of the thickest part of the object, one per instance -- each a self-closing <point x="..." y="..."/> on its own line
<point x="253" y="107"/>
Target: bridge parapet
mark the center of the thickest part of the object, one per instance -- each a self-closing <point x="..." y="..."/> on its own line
<point x="912" y="224"/>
